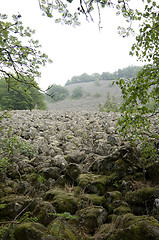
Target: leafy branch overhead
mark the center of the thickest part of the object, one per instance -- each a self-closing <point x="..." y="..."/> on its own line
<point x="20" y="59"/>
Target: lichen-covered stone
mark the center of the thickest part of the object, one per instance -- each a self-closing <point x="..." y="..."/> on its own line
<point x="79" y="165"/>
<point x="123" y="161"/>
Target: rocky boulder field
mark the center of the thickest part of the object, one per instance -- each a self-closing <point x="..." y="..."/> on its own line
<point x="78" y="181"/>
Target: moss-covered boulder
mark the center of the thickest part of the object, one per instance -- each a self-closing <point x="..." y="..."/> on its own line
<point x="123" y="162"/>
<point x="29" y="231"/>
<point x="128" y="227"/>
<point x="12" y="205"/>
<point x="113" y="200"/>
<point x="5" y="189"/>
<point x="93" y="183"/>
<point x="50" y="172"/>
<point x="62" y="201"/>
<point x="122" y="209"/>
<point x="63" y="229"/>
<point x="93" y="199"/>
<point x="45" y="212"/>
<point x="92" y="217"/>
<point x="152" y="172"/>
<point x="142" y="201"/>
<point x="72" y="172"/>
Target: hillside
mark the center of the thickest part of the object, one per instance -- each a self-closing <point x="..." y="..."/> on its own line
<point x="93" y="95"/>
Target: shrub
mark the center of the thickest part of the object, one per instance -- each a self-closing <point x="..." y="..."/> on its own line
<point x="77" y="93"/>
<point x="97" y="95"/>
<point x="11" y="144"/>
<point x="57" y="93"/>
<point x="110" y="105"/>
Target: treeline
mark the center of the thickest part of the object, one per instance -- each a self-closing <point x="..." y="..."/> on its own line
<point x="128" y="72"/>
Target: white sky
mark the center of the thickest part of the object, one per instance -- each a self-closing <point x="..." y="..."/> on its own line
<point x="78" y="50"/>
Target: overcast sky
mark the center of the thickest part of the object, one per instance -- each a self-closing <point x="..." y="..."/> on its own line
<point x="78" y="50"/>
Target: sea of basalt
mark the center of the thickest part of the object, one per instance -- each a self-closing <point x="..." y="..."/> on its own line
<point x="74" y="178"/>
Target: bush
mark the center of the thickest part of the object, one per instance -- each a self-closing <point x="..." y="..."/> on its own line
<point x="77" y="93"/>
<point x="110" y="105"/>
<point x="57" y="93"/>
<point x="97" y="95"/>
<point x="11" y="144"/>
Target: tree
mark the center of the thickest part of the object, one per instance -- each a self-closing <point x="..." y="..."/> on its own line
<point x="19" y="99"/>
<point x="20" y="62"/>
<point x="139" y="92"/>
<point x="77" y="93"/>
<point x="57" y="92"/>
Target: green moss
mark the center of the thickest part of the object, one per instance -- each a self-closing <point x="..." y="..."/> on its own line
<point x="94" y="199"/>
<point x="93" y="183"/>
<point x="142" y="200"/>
<point x="29" y="230"/>
<point x="61" y="229"/>
<point x="142" y="195"/>
<point x="62" y="201"/>
<point x="92" y="217"/>
<point x="122" y="209"/>
<point x="128" y="227"/>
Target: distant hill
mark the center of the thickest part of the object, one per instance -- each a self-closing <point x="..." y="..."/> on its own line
<point x="93" y="95"/>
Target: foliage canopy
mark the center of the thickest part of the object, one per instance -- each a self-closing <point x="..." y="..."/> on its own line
<point x="20" y="55"/>
<point x="20" y="98"/>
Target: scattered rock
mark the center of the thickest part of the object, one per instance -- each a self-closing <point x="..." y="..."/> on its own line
<point x="79" y="180"/>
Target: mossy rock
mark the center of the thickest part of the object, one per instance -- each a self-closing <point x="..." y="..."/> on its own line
<point x="152" y="172"/>
<point x="5" y="190"/>
<point x="62" y="229"/>
<point x="28" y="231"/>
<point x="13" y="204"/>
<point x="93" y="183"/>
<point x="113" y="196"/>
<point x="93" y="199"/>
<point x="72" y="172"/>
<point x="142" y="201"/>
<point x="62" y="201"/>
<point x="129" y="227"/>
<point x="122" y="209"/>
<point x="45" y="212"/>
<point x="113" y="200"/>
<point x="92" y="217"/>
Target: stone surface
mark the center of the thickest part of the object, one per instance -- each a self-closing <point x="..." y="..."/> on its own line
<point x="75" y="178"/>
